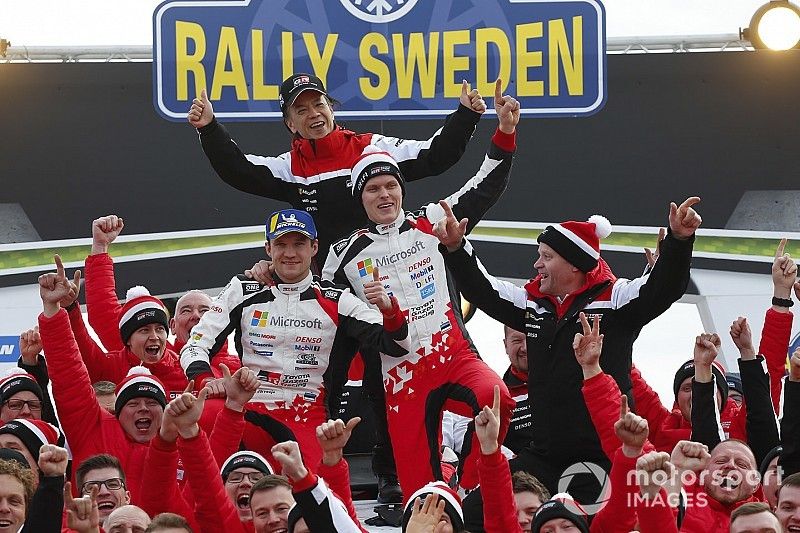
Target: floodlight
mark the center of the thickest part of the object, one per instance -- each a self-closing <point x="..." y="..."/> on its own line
<point x="775" y="25"/>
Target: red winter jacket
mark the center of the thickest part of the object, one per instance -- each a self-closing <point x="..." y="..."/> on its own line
<point x="113" y="366"/>
<point x="706" y="515"/>
<point x="104" y="310"/>
<point x="89" y="429"/>
<point x="499" y="506"/>
<point x="668" y="427"/>
<point x="774" y="347"/>
<point x="618" y="515"/>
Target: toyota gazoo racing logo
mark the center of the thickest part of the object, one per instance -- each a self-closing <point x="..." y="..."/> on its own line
<point x="590" y="469"/>
<point x="378" y="11"/>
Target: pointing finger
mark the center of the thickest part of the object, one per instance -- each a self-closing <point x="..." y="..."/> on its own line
<point x="781" y="246"/>
<point x="448" y="211"/>
<point x="689" y="202"/>
<point x="496" y="403"/>
<point x="498" y="90"/>
<point x="77" y="279"/>
<point x="59" y="266"/>
<point x="623" y="406"/>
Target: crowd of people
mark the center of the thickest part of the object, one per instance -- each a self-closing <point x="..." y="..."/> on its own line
<point x="142" y="433"/>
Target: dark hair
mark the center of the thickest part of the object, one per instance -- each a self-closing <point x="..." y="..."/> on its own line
<point x="168" y="520"/>
<point x="94" y="462"/>
<point x="524" y="482"/>
<point x="22" y="474"/>
<point x="751" y="509"/>
<point x="790" y="481"/>
<point x="103" y="388"/>
<point x="269" y="482"/>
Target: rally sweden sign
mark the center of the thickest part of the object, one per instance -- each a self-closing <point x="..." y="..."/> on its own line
<point x="379" y="58"/>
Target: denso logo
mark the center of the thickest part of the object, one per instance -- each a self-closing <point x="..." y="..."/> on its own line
<point x="315" y="340"/>
<point x="405" y="254"/>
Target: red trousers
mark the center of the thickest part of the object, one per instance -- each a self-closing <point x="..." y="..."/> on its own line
<point x="417" y="393"/>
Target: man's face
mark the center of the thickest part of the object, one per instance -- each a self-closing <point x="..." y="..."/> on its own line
<point x="12" y="442"/>
<point x="239" y="491"/>
<point x="756" y="523"/>
<point x="310" y="115"/>
<point x="188" y="311"/>
<point x="788" y="509"/>
<point x="731" y="475"/>
<point x="149" y="342"/>
<point x="107" y="402"/>
<point x="12" y="504"/>
<point x="291" y="255"/>
<point x="141" y="418"/>
<point x="559" y="525"/>
<point x="271" y="509"/>
<point x="736" y="396"/>
<point x="127" y="519"/>
<point x="527" y="505"/>
<point x="14" y="408"/>
<point x="558" y="276"/>
<point x="107" y="499"/>
<point x="684" y="399"/>
<point x="771" y="482"/>
<point x="517" y="350"/>
<point x="382" y="198"/>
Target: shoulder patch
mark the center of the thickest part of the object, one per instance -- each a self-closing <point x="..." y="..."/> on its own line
<point x="341" y="245"/>
<point x="330" y="290"/>
<point x="249" y="286"/>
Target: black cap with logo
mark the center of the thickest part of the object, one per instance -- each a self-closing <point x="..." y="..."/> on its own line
<point x="296" y="84"/>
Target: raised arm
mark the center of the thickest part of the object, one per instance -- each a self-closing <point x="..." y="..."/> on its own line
<point x="790" y="423"/>
<point x="251" y="174"/>
<point x="44" y="514"/>
<point x="33" y="362"/>
<point x="102" y="305"/>
<point x="648" y="296"/>
<point x="419" y="159"/>
<point x="706" y="425"/>
<point x="72" y="389"/>
<point x="503" y="301"/>
<point x="761" y="423"/>
<point x="332" y="437"/>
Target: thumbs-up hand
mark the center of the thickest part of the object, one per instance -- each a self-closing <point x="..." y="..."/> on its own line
<point x="376" y="294"/>
<point x="202" y="112"/>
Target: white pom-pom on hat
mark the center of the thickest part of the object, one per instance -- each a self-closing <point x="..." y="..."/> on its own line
<point x="602" y="227"/>
<point x="136" y="291"/>
<point x="139" y="370"/>
<point x="13" y="371"/>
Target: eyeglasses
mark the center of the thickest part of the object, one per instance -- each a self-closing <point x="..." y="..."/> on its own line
<point x="17" y="405"/>
<point x="113" y="483"/>
<point x="238" y="477"/>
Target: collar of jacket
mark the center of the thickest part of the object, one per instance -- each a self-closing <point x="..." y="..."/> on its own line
<point x="600" y="274"/>
<point x="397" y="225"/>
<point x="330" y="146"/>
<point x="288" y="289"/>
<point x="515" y="378"/>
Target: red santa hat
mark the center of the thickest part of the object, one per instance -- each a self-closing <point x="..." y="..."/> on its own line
<point x="139" y="382"/>
<point x="578" y="242"/>
<point x="139" y="310"/>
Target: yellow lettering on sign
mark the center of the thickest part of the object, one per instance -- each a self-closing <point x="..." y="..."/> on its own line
<point x="287" y="56"/>
<point x="483" y="38"/>
<point x="374" y="66"/>
<point x="228" y="50"/>
<point x="320" y="62"/>
<point x="453" y="64"/>
<point x="185" y="62"/>
<point x="417" y="59"/>
<point x="261" y="91"/>
<point x="560" y="53"/>
<point x="526" y="60"/>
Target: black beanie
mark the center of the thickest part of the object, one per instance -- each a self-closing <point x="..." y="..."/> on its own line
<point x="371" y="164"/>
<point x="556" y="508"/>
<point x="245" y="459"/>
<point x="17" y="382"/>
<point x="687" y="371"/>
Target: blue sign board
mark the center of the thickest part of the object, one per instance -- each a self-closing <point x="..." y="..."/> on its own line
<point x="9" y="348"/>
<point x="379" y="58"/>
